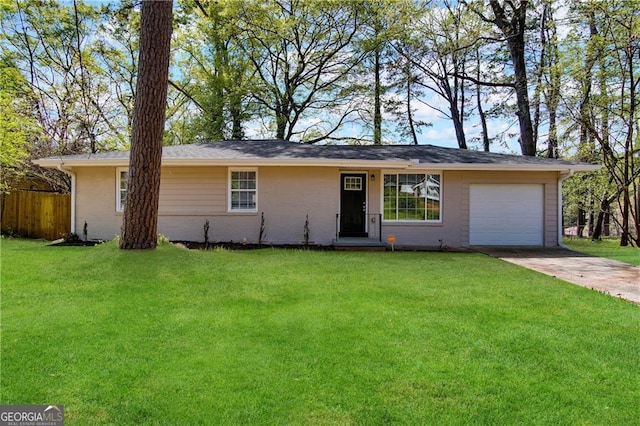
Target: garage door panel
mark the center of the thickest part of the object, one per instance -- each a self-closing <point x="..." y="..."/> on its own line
<point x="506" y="215"/>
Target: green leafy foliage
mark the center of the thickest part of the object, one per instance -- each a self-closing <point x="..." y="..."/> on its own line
<point x="17" y="125"/>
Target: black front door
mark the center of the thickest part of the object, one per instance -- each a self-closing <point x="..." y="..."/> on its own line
<point x="353" y="205"/>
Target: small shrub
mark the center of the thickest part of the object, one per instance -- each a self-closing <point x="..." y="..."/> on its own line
<point x="261" y="234"/>
<point x="306" y="232"/>
<point x="70" y="238"/>
<point x="206" y="233"/>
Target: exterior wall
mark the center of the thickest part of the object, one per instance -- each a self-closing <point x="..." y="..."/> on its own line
<point x="191" y="195"/>
<point x="96" y="202"/>
<point x="454" y="229"/>
<point x="286" y="195"/>
<point x="447" y="232"/>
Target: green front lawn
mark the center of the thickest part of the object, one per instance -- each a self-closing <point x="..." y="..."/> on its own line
<point x="301" y="337"/>
<point x="608" y="248"/>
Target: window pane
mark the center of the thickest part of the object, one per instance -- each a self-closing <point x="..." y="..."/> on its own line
<point x="122" y="190"/>
<point x="124" y="176"/>
<point x="243" y="190"/>
<point x="242" y="200"/>
<point x="390" y="197"/>
<point x="411" y="196"/>
<point x="433" y="197"/>
<point x="352" y="183"/>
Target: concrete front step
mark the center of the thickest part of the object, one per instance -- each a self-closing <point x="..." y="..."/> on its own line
<point x="359" y="244"/>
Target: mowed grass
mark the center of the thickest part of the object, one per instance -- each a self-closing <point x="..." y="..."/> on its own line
<point x="300" y="337"/>
<point x="609" y="248"/>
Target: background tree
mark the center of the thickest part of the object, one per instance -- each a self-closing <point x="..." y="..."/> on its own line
<point x="438" y="51"/>
<point x="216" y="76"/>
<point x="407" y="89"/>
<point x="117" y="53"/>
<point x="510" y="18"/>
<point x="56" y="48"/>
<point x="604" y="106"/>
<point x="17" y="125"/>
<point x="140" y="220"/>
<point x="302" y="54"/>
<point x="376" y="31"/>
<point x="546" y="95"/>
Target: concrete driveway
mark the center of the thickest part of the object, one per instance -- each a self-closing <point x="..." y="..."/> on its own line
<point x="607" y="276"/>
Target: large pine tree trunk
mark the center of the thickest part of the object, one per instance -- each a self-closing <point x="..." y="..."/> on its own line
<point x="140" y="222"/>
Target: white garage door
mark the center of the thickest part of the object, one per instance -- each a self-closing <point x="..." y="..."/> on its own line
<point x="506" y="215"/>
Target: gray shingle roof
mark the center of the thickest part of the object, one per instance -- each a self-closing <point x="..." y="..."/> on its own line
<point x="291" y="151"/>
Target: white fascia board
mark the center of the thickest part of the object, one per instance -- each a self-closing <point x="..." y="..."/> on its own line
<point x="293" y="162"/>
<point x="55" y="162"/>
<point x="248" y="162"/>
<point x="315" y="162"/>
<point x="508" y="167"/>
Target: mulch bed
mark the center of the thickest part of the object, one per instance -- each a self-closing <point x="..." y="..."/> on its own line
<point x="231" y="245"/>
<point x="75" y="243"/>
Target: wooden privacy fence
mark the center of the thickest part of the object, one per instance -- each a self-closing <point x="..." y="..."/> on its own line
<point x="36" y="214"/>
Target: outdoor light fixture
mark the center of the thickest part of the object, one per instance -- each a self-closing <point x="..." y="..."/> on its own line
<point x="373" y="177"/>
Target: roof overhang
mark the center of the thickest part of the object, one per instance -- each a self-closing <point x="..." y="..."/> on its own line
<point x="517" y="167"/>
<point x="319" y="162"/>
<point x="231" y="162"/>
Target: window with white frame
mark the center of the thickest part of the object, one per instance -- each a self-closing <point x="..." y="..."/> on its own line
<point x="243" y="190"/>
<point x="122" y="177"/>
<point x="353" y="183"/>
<point x="412" y="197"/>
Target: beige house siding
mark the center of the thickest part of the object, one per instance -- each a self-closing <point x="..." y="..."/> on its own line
<point x="446" y="232"/>
<point x="286" y="195"/>
<point x="193" y="191"/>
<point x="96" y="202"/>
<point x="191" y="195"/>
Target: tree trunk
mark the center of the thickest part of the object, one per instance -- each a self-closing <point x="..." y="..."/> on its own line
<point x="140" y="222"/>
<point x="281" y="121"/>
<point x="412" y="128"/>
<point x="235" y="108"/>
<point x="602" y="221"/>
<point x="540" y="72"/>
<point x="377" y="113"/>
<point x="513" y="30"/>
<point x="458" y="126"/>
<point x="527" y="143"/>
<point x="627" y="211"/>
<point x="624" y="238"/>
<point x="486" y="142"/>
<point x="553" y="89"/>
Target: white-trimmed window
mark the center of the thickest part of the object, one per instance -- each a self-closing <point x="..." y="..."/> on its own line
<point x="122" y="177"/>
<point x="353" y="183"/>
<point x="412" y="197"/>
<point x="243" y="190"/>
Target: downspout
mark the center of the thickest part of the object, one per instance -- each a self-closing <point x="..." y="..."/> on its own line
<point x="563" y="177"/>
<point x="71" y="174"/>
